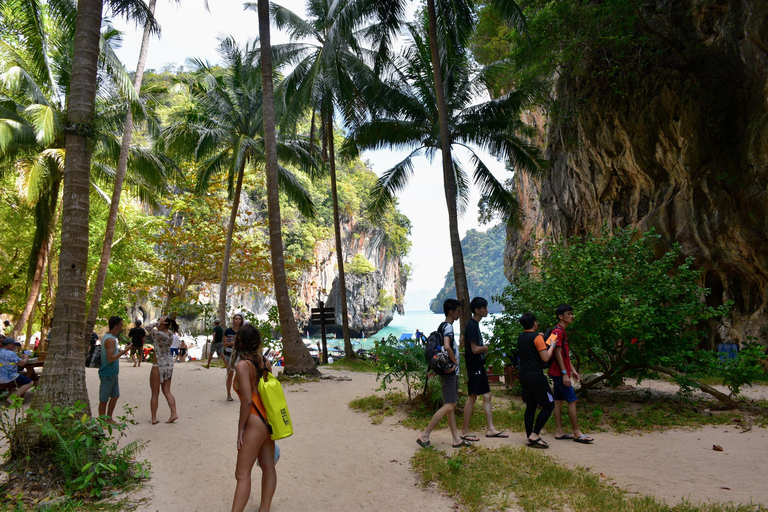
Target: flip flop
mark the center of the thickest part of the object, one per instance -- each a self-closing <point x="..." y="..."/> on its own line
<point x="462" y="443"/>
<point x="470" y="437"/>
<point x="230" y="399"/>
<point x="538" y="443"/>
<point x="498" y="434"/>
<point x="583" y="439"/>
<point x="423" y="444"/>
<point x="564" y="437"/>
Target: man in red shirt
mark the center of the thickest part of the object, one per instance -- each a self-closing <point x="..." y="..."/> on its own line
<point x="563" y="376"/>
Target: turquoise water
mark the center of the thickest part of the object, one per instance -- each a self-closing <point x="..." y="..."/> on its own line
<point x="424" y="321"/>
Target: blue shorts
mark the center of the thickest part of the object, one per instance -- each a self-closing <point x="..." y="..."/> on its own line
<point x="108" y="388"/>
<point x="562" y="392"/>
<point x="22" y="380"/>
<point x="174" y="352"/>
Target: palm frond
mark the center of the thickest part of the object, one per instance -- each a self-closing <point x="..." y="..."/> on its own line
<point x="501" y="201"/>
<point x="291" y="186"/>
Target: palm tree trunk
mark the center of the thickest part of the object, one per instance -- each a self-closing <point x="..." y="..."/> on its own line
<point x="122" y="166"/>
<point x="63" y="382"/>
<point x="42" y="259"/>
<point x="449" y="180"/>
<point x="228" y="246"/>
<point x="349" y="352"/>
<point x="297" y="358"/>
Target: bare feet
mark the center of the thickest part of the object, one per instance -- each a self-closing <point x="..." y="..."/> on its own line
<point x="155" y="422"/>
<point x="173" y="418"/>
<point x="110" y="421"/>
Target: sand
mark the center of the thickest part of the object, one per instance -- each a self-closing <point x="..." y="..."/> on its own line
<point x="339" y="460"/>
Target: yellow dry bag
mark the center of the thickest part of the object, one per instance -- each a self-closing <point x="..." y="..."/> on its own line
<point x="278" y="418"/>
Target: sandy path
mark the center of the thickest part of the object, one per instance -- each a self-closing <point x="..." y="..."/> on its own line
<point x="338" y="460"/>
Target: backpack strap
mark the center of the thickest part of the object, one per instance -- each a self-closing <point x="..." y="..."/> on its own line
<point x="253" y="378"/>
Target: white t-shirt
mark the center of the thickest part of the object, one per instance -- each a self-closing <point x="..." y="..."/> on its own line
<point x="175" y="341"/>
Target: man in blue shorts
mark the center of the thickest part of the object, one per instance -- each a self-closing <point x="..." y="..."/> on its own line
<point x="563" y="375"/>
<point x="109" y="388"/>
<point x="9" y="366"/>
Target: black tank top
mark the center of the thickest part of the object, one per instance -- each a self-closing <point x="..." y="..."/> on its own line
<point x="530" y="360"/>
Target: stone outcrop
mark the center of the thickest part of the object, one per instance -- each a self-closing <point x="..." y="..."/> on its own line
<point x="682" y="148"/>
<point x="364" y="292"/>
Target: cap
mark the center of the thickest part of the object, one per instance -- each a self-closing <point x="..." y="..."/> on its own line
<point x="9" y="341"/>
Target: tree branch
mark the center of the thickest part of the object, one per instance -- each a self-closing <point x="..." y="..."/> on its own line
<point x="730" y="402"/>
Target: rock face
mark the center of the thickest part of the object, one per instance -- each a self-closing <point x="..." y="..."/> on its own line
<point x="367" y="313"/>
<point x="682" y="149"/>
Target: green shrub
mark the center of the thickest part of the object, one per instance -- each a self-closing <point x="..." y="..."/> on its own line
<point x="400" y="363"/>
<point x="85" y="450"/>
<point x="360" y="265"/>
<point x="634" y="311"/>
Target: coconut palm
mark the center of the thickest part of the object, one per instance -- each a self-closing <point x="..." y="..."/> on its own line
<point x="35" y="67"/>
<point x="408" y="116"/>
<point x="63" y="382"/>
<point x="222" y="131"/>
<point x="122" y="165"/>
<point x="297" y="358"/>
<point x="330" y="73"/>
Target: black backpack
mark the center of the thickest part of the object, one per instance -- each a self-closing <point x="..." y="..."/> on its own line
<point x="96" y="357"/>
<point x="437" y="358"/>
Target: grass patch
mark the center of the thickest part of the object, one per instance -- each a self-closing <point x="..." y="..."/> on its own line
<point x="352" y="365"/>
<point x="519" y="478"/>
<point x="379" y="407"/>
<point x="19" y="504"/>
<point x="627" y="412"/>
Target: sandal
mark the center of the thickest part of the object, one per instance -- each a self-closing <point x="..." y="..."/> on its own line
<point x="462" y="444"/>
<point x="537" y="443"/>
<point x="471" y="438"/>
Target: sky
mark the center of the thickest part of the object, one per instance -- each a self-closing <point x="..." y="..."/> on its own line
<point x="189" y="31"/>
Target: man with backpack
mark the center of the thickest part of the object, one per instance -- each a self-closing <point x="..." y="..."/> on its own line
<point x="477" y="378"/>
<point x="563" y="376"/>
<point x="449" y="377"/>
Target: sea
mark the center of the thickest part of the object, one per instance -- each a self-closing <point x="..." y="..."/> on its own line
<point x="424" y="321"/>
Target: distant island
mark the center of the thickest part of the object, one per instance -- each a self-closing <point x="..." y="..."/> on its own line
<point x="484" y="261"/>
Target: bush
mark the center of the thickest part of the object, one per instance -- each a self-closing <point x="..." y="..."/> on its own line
<point x="633" y="310"/>
<point x="398" y="362"/>
<point x="360" y="265"/>
<point x="84" y="450"/>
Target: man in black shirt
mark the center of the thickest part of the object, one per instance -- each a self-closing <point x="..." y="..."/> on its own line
<point x="533" y="351"/>
<point x="137" y="335"/>
<point x="477" y="378"/>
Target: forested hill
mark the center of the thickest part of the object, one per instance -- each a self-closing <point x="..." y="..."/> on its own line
<point x="484" y="261"/>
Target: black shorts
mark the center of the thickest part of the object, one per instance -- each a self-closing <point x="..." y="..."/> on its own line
<point x="477" y="382"/>
<point x="536" y="389"/>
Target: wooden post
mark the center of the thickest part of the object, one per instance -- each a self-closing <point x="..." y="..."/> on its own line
<point x="322" y="333"/>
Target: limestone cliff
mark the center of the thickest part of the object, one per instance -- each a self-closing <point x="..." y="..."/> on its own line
<point x="682" y="148"/>
<point x="367" y="312"/>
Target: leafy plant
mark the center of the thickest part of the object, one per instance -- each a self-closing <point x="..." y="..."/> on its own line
<point x="360" y="265"/>
<point x="85" y="450"/>
<point x="633" y="310"/>
<point x="398" y="362"/>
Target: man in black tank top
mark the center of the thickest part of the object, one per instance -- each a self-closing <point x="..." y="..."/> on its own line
<point x="533" y="353"/>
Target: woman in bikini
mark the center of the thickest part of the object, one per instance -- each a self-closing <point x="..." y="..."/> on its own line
<point x="162" y="369"/>
<point x="253" y="439"/>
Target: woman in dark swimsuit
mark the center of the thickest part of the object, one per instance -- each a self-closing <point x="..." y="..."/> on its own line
<point x="253" y="439"/>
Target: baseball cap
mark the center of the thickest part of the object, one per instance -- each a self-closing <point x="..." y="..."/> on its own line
<point x="9" y="340"/>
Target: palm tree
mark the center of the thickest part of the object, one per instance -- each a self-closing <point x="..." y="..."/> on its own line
<point x="122" y="165"/>
<point x="329" y="74"/>
<point x="449" y="28"/>
<point x="222" y="131"/>
<point x="408" y="116"/>
<point x="34" y="72"/>
<point x="63" y="382"/>
<point x="297" y="358"/>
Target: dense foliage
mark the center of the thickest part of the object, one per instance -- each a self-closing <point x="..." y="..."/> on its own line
<point x="484" y="261"/>
<point x="634" y="311"/>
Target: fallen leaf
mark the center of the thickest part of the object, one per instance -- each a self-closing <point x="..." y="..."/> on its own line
<point x="726" y="488"/>
<point x="602" y="475"/>
<point x="717" y="447"/>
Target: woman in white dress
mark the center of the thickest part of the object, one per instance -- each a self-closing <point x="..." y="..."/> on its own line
<point x="162" y="369"/>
